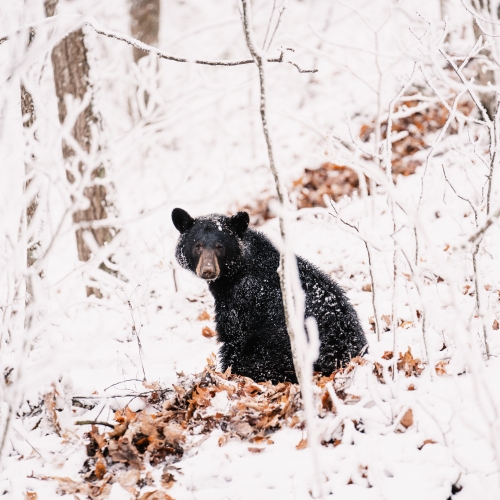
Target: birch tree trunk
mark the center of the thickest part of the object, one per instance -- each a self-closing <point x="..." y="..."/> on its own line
<point x="71" y="76"/>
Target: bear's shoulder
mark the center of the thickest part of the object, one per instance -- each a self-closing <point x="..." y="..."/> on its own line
<point x="258" y="250"/>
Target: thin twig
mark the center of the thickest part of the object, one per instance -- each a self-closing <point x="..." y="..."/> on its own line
<point x="370" y="266"/>
<point x="492" y="158"/>
<point x="421" y="293"/>
<point x="467" y="84"/>
<point x="136" y="395"/>
<point x="93" y="422"/>
<point x="459" y="196"/>
<point x="489" y="222"/>
<point x="392" y="202"/>
<point x="478" y="300"/>
<point x="123" y="381"/>
<point x="280" y="16"/>
<point x="269" y="25"/>
<point x="135" y="331"/>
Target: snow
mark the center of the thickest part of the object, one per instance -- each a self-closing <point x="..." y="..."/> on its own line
<point x="197" y="143"/>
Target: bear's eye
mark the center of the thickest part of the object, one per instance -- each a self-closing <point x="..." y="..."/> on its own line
<point x="219" y="248"/>
<point x="197" y="247"/>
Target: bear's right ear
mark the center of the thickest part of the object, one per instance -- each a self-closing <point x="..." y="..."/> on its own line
<point x="239" y="223"/>
<point x="182" y="220"/>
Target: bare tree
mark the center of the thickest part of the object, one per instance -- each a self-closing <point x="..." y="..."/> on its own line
<point x="71" y="76"/>
<point x="145" y="23"/>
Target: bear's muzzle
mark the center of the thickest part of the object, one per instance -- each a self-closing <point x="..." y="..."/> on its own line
<point x="208" y="266"/>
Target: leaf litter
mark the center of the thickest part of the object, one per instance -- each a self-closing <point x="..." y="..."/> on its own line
<point x="182" y="418"/>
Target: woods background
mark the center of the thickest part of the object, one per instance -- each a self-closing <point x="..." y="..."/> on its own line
<point x="383" y="131"/>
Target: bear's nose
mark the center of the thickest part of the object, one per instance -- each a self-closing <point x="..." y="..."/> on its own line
<point x="208" y="273"/>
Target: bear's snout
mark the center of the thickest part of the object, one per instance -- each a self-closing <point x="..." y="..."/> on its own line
<point x="208" y="266"/>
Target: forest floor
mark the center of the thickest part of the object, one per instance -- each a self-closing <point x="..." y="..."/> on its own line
<point x="122" y="397"/>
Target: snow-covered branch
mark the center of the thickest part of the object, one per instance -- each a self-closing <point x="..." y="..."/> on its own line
<point x="206" y="62"/>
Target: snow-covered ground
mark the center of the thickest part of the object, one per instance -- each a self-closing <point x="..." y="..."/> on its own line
<point x="198" y="144"/>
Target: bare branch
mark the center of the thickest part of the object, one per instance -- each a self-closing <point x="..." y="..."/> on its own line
<point x="93" y="422"/>
<point x="163" y="55"/>
<point x="478" y="18"/>
<point x="467" y="84"/>
<point x="489" y="222"/>
<point x="459" y="196"/>
<point x="280" y="16"/>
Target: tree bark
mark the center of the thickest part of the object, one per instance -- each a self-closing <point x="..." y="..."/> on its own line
<point x="145" y="23"/>
<point x="484" y="75"/>
<point x="71" y="76"/>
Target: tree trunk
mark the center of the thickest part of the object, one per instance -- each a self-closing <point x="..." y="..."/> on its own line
<point x="71" y="76"/>
<point x="485" y="75"/>
<point x="145" y="23"/>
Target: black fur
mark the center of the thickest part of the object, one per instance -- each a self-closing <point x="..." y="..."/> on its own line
<point x="249" y="312"/>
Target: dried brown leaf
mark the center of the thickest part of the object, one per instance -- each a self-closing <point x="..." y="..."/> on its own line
<point x="386" y="319"/>
<point x="495" y="325"/>
<point x="409" y="365"/>
<point x="254" y="449"/>
<point x="407" y="420"/>
<point x="302" y="444"/>
<point x="204" y="316"/>
<point x="405" y="324"/>
<point x="100" y="469"/>
<point x="167" y="479"/>
<point x="378" y="371"/>
<point x="125" y="452"/>
<point x="441" y="367"/>
<point x="155" y="495"/>
<point x="208" y="332"/>
<point x="49" y="400"/>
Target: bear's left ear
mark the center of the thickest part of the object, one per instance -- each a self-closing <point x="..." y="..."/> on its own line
<point x="239" y="223"/>
<point x="182" y="220"/>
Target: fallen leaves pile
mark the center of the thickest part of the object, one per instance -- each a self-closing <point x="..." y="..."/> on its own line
<point x="175" y="421"/>
<point x="311" y="189"/>
<point x="334" y="181"/>
<point x="413" y="130"/>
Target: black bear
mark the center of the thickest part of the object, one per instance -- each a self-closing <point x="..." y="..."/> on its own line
<point x="240" y="266"/>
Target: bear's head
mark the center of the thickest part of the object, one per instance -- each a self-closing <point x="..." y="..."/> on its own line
<point x="210" y="246"/>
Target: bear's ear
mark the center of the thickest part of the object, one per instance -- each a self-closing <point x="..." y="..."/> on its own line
<point x="239" y="223"/>
<point x="182" y="220"/>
